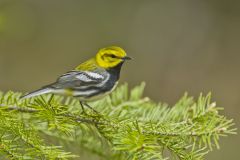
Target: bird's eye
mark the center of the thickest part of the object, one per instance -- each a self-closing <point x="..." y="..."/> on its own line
<point x="113" y="56"/>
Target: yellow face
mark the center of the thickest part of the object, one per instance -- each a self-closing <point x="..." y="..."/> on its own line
<point x="111" y="57"/>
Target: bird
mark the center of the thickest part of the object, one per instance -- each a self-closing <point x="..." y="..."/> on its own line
<point x="91" y="80"/>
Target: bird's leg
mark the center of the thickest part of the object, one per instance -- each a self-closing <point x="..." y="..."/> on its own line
<point x="91" y="108"/>
<point x="82" y="105"/>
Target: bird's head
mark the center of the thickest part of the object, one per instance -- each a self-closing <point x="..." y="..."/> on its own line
<point x="111" y="57"/>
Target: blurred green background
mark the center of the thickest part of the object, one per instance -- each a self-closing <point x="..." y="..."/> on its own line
<point x="177" y="46"/>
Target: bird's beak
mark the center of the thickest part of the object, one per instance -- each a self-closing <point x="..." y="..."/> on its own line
<point x="126" y="58"/>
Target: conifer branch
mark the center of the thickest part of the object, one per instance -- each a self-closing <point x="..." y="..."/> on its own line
<point x="129" y="126"/>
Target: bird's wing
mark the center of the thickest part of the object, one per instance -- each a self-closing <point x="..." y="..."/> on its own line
<point x="78" y="79"/>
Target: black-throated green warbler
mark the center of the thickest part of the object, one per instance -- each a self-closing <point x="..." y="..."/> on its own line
<point x="90" y="80"/>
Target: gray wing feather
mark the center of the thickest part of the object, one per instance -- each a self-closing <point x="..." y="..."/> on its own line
<point x="76" y="79"/>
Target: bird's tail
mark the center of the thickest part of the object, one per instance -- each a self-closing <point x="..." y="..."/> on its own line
<point x="37" y="93"/>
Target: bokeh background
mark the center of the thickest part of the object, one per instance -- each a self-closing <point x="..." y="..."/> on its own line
<point x="177" y="46"/>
